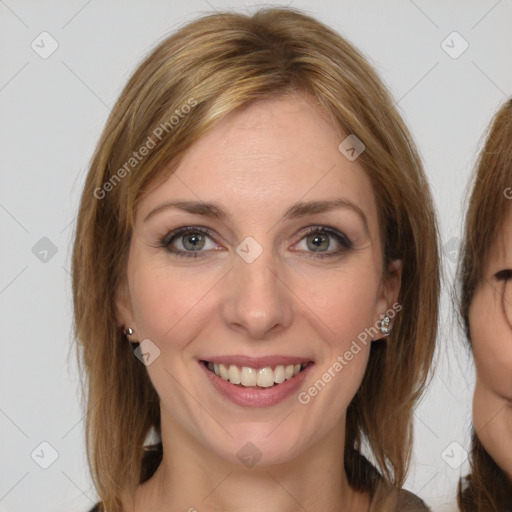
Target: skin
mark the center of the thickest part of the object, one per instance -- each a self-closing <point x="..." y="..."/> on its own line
<point x="256" y="163"/>
<point x="491" y="336"/>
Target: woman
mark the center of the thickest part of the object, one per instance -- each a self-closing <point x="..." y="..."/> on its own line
<point x="486" y="311"/>
<point x="254" y="219"/>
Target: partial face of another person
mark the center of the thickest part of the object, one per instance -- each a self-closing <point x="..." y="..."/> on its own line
<point x="267" y="273"/>
<point x="490" y="319"/>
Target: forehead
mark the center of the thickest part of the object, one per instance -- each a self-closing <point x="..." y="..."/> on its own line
<point x="274" y="153"/>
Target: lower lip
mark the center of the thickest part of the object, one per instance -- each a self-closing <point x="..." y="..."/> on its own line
<point x="249" y="397"/>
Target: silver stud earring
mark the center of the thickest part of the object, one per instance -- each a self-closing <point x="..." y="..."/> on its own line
<point x="129" y="331"/>
<point x="385" y="328"/>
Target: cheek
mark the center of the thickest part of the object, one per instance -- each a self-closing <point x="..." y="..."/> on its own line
<point x="342" y="306"/>
<point x="346" y="299"/>
<point x="491" y="340"/>
<point x="165" y="299"/>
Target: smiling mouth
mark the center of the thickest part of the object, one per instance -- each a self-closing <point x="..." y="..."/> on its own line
<point x="256" y="378"/>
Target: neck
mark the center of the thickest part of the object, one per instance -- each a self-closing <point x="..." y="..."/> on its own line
<point x="192" y="478"/>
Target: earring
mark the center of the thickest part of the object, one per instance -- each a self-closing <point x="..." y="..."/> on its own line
<point x="128" y="331"/>
<point x="384" y="326"/>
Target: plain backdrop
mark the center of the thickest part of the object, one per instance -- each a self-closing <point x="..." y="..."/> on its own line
<point x="52" y="110"/>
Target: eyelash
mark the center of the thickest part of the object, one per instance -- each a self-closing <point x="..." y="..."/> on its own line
<point x="342" y="239"/>
<point x="504" y="275"/>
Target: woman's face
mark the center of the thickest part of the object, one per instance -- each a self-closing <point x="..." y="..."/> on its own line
<point x="491" y="335"/>
<point x="270" y="275"/>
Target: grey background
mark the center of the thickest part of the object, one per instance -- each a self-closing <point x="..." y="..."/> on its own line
<point x="52" y="112"/>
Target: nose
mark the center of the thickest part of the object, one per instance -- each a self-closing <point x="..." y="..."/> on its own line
<point x="257" y="300"/>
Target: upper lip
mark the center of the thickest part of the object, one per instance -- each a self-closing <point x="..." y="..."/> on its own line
<point x="257" y="362"/>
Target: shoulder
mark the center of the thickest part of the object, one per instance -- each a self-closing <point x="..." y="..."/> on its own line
<point x="409" y="502"/>
<point x="364" y="477"/>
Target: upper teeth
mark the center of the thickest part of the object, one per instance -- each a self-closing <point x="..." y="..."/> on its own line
<point x="263" y="377"/>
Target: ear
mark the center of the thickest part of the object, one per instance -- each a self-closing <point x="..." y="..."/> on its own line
<point x="389" y="290"/>
<point x="123" y="307"/>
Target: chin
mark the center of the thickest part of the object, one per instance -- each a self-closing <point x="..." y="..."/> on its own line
<point x="252" y="445"/>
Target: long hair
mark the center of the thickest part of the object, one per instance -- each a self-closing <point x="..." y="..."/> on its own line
<point x="486" y="489"/>
<point x="183" y="88"/>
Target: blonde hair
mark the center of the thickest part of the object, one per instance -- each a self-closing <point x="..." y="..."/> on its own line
<point x="217" y="64"/>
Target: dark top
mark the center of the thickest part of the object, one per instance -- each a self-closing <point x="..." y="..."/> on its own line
<point x="407" y="502"/>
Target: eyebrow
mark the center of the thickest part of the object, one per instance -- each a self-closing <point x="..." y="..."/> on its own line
<point x="298" y="210"/>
